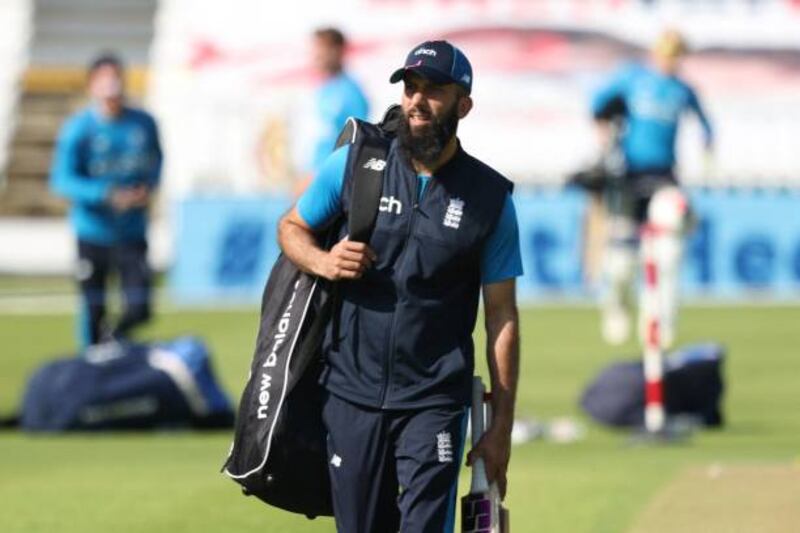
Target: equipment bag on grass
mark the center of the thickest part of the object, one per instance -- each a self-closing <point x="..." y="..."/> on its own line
<point x="279" y="446"/>
<point x="693" y="386"/>
<point x="127" y="386"/>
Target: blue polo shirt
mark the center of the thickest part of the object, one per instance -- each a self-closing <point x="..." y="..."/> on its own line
<point x="337" y="99"/>
<point x="655" y="103"/>
<point x="93" y="156"/>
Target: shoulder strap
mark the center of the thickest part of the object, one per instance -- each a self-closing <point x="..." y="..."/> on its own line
<point x="372" y="147"/>
<point x="372" y="143"/>
<point x="370" y="163"/>
<point x="386" y="129"/>
<point x="348" y="133"/>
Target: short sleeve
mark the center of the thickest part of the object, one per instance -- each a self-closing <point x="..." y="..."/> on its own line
<point x="500" y="257"/>
<point x="321" y="202"/>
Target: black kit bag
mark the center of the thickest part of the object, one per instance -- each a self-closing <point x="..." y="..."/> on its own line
<point x="279" y="449"/>
<point x="693" y="386"/>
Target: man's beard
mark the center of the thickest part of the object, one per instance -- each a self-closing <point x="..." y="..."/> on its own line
<point x="426" y="143"/>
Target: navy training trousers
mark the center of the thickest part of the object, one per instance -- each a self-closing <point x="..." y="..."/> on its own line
<point x="96" y="264"/>
<point x="394" y="470"/>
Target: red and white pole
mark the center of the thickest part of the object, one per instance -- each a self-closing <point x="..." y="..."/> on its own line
<point x="654" y="416"/>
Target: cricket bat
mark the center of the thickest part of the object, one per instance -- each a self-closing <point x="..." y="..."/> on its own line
<point x="481" y="509"/>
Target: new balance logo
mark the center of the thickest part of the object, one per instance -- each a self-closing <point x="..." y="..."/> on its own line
<point x="444" y="447"/>
<point x="375" y="164"/>
<point x="452" y="218"/>
<point x="390" y="205"/>
<point x="425" y="52"/>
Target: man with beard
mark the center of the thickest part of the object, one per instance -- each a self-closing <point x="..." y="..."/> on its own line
<point x="398" y="374"/>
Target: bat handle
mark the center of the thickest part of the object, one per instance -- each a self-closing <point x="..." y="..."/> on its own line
<point x="477" y="419"/>
<point x="493" y="488"/>
<point x="480" y="482"/>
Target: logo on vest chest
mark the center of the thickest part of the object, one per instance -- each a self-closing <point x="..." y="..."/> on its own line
<point x="455" y="210"/>
<point x="390" y="205"/>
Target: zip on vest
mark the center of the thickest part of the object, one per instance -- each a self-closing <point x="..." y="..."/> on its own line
<point x="390" y="354"/>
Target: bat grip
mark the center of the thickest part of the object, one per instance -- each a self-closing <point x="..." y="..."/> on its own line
<point x="480" y="482"/>
<point x="493" y="488"/>
<point x="477" y="410"/>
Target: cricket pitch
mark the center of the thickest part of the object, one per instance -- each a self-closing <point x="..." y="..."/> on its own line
<point x="720" y="498"/>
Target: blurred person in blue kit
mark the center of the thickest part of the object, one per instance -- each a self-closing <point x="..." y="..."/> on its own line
<point x="638" y="113"/>
<point x="107" y="163"/>
<point x="337" y="97"/>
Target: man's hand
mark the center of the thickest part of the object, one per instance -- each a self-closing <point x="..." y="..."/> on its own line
<point x="141" y="196"/>
<point x="495" y="450"/>
<point x="127" y="198"/>
<point x="346" y="260"/>
<point x="121" y="199"/>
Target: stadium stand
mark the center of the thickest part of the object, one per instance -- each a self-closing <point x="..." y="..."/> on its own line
<point x="64" y="35"/>
<point x="16" y="15"/>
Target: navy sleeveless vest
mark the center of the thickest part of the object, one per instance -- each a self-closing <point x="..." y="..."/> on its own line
<point x="405" y="328"/>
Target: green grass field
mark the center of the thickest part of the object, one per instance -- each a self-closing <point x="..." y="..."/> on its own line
<point x="170" y="482"/>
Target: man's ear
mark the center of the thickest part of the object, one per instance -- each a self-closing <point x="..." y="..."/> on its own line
<point x="464" y="106"/>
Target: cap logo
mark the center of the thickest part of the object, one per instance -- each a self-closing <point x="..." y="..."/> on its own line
<point x="425" y="52"/>
<point x="466" y="78"/>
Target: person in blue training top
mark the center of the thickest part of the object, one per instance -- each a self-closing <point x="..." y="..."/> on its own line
<point x="638" y="113"/>
<point x="335" y="99"/>
<point x="107" y="163"/>
<point x="398" y="376"/>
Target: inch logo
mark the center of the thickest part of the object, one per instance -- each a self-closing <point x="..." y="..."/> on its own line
<point x="390" y="205"/>
<point x="425" y="52"/>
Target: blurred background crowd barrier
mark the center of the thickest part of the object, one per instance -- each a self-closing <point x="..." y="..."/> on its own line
<point x="230" y="85"/>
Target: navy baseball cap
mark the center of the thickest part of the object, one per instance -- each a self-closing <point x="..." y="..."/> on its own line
<point x="439" y="62"/>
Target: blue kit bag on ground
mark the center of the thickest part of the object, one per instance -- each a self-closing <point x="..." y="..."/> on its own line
<point x="693" y="386"/>
<point x="127" y="386"/>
